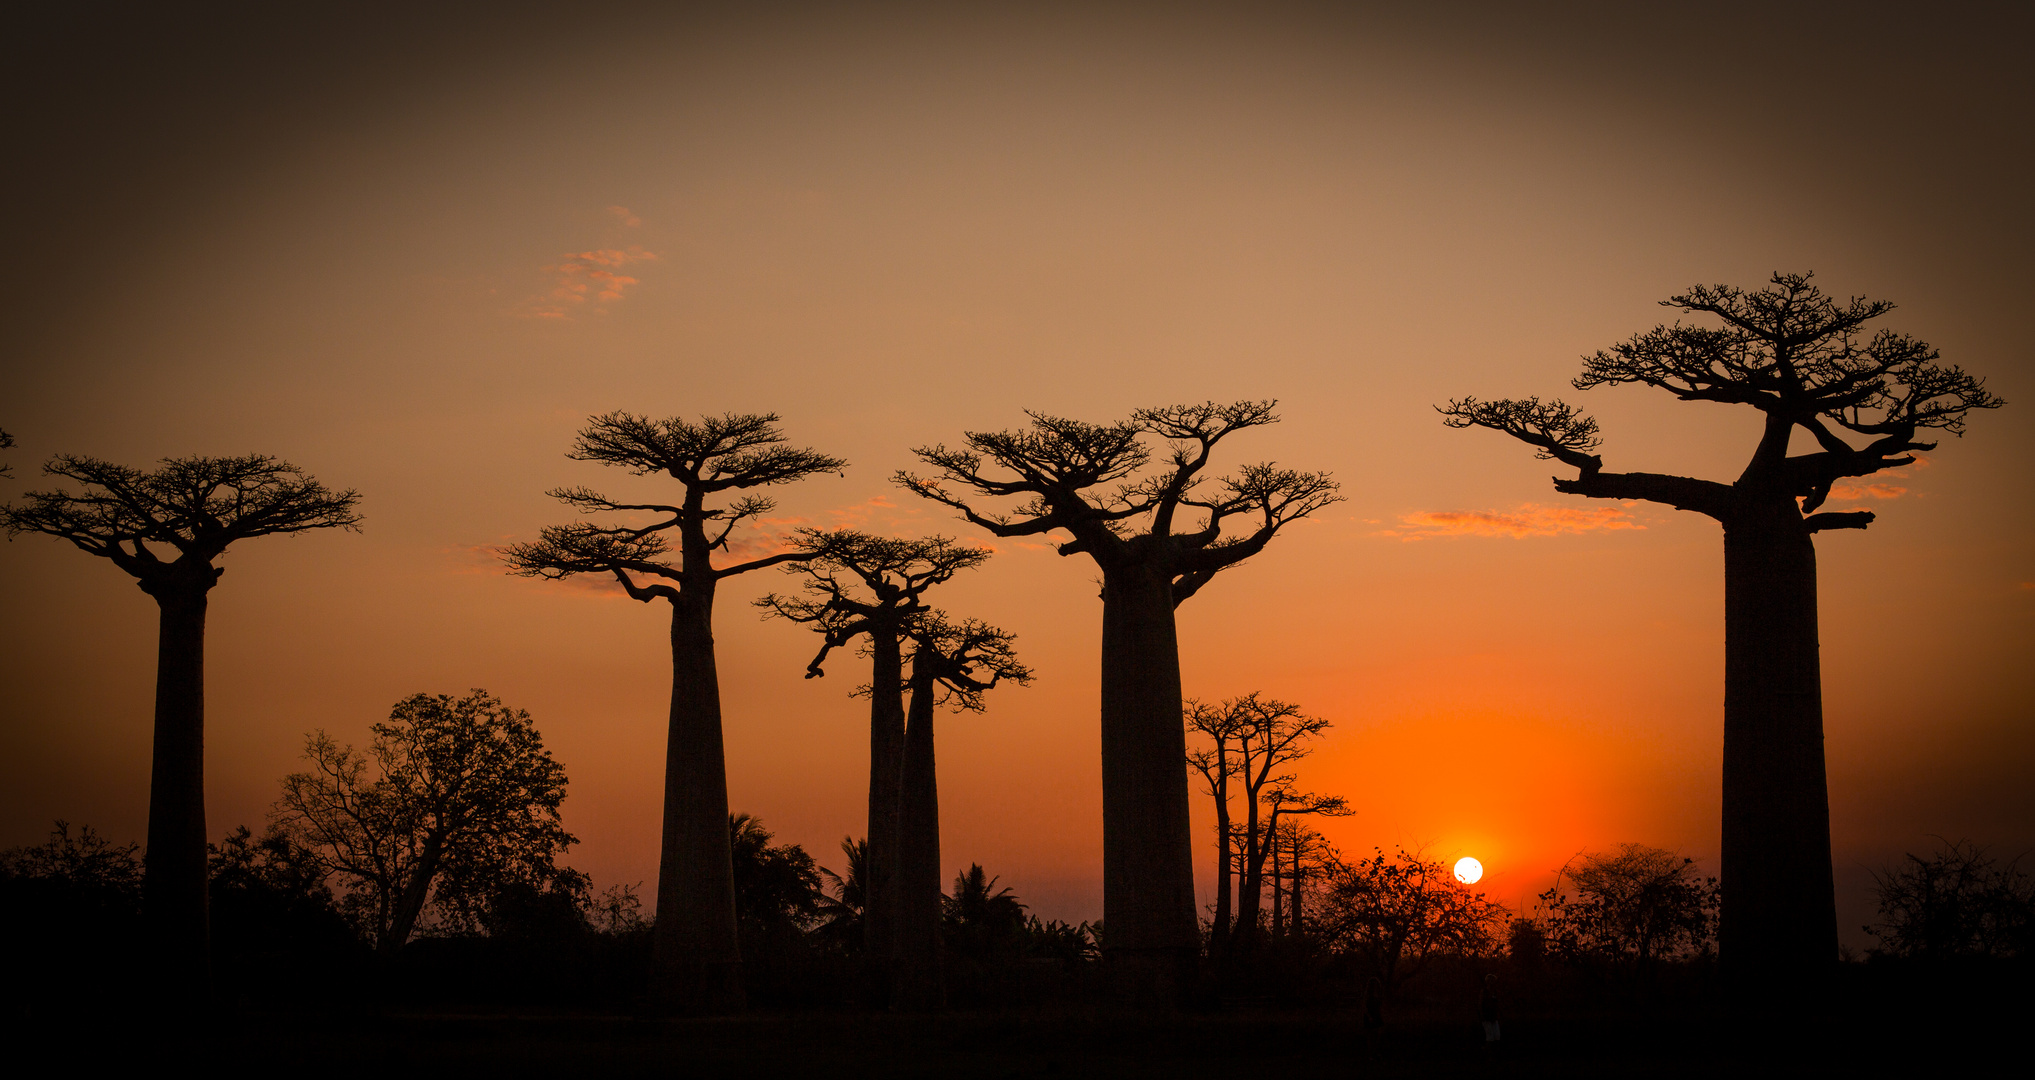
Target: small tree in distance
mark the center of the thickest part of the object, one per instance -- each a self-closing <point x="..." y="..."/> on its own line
<point x="1802" y="360"/>
<point x="696" y="956"/>
<point x="454" y="799"/>
<point x="166" y="529"/>
<point x="1633" y="908"/>
<point x="1157" y="540"/>
<point x="1398" y="912"/>
<point x="1957" y="903"/>
<point x="1252" y="739"/>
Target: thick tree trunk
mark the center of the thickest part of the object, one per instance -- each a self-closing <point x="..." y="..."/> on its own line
<point x="696" y="962"/>
<point x="917" y="981"/>
<point x="174" y="892"/>
<point x="1251" y="887"/>
<point x="410" y="902"/>
<point x="886" y="760"/>
<point x="1779" y="924"/>
<point x="1150" y="933"/>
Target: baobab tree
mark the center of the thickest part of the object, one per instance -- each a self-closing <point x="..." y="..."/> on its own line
<point x="871" y="587"/>
<point x="166" y="529"/>
<point x="1805" y="362"/>
<point x="1254" y="738"/>
<point x="1296" y="849"/>
<point x="695" y="955"/>
<point x="1158" y="540"/>
<point x="953" y="664"/>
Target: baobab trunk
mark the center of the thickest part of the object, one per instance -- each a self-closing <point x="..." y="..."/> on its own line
<point x="1778" y="912"/>
<point x="1150" y="936"/>
<point x="886" y="759"/>
<point x="696" y="960"/>
<point x="917" y="981"/>
<point x="174" y="886"/>
<point x="1278" y="890"/>
<point x="1218" y="934"/>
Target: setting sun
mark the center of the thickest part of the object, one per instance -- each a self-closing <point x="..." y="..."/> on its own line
<point x="1468" y="870"/>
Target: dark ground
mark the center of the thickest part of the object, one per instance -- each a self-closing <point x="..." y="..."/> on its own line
<point x="1899" y="1037"/>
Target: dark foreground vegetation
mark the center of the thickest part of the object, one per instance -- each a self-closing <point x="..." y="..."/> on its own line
<point x="549" y="981"/>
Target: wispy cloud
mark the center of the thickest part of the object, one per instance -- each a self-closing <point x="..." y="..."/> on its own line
<point x="1527" y="519"/>
<point x="1877" y="488"/>
<point x="588" y="281"/>
<point x="1855" y="492"/>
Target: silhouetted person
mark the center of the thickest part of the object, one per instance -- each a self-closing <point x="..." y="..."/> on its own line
<point x="1803" y="362"/>
<point x="165" y="528"/>
<point x="1077" y="477"/>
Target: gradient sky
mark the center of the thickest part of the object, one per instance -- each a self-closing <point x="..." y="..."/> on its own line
<point x="413" y="252"/>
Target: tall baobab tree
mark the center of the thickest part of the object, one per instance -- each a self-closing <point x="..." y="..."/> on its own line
<point x="166" y="529"/>
<point x="952" y="663"/>
<point x="1083" y="479"/>
<point x="695" y="958"/>
<point x="871" y="587"/>
<point x="1806" y="363"/>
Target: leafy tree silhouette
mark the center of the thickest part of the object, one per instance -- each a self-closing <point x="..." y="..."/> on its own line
<point x="1633" y="907"/>
<point x="695" y="954"/>
<point x="1802" y="359"/>
<point x="1079" y="478"/>
<point x="6" y="443"/>
<point x="165" y="529"/>
<point x="463" y="798"/>
<point x="952" y="663"/>
<point x="1401" y="911"/>
<point x="777" y="886"/>
<point x="1958" y="902"/>
<point x="870" y="587"/>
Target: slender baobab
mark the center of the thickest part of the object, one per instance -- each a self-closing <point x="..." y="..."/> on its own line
<point x="165" y="529"/>
<point x="951" y="663"/>
<point x="863" y="586"/>
<point x="1805" y="362"/>
<point x="695" y="958"/>
<point x="1258" y="737"/>
<point x="1081" y="479"/>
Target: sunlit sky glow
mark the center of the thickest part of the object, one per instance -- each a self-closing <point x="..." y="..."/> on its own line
<point x="413" y="254"/>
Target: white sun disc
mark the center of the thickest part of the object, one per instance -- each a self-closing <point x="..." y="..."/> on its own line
<point x="1468" y="870"/>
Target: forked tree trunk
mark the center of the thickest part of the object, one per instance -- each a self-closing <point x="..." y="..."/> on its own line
<point x="1779" y="920"/>
<point x="917" y="981"/>
<point x="695" y="959"/>
<point x="1150" y="936"/>
<point x="886" y="760"/>
<point x="174" y="892"/>
<point x="410" y="902"/>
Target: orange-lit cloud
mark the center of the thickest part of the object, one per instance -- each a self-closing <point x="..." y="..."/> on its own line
<point x="1524" y="520"/>
<point x="627" y="218"/>
<point x="588" y="276"/>
<point x="1854" y="492"/>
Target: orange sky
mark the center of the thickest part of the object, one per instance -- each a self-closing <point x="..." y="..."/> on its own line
<point x="414" y="255"/>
